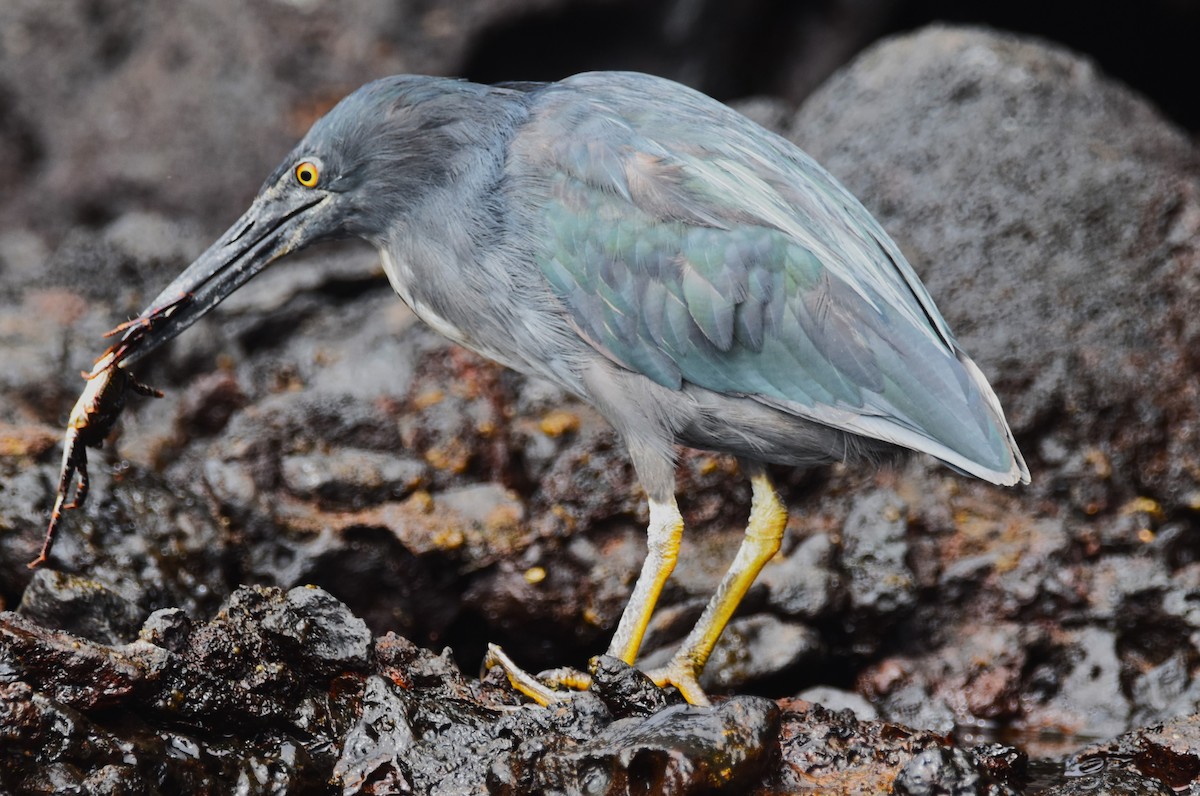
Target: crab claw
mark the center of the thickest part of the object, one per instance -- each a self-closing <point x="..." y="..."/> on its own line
<point x="91" y="420"/>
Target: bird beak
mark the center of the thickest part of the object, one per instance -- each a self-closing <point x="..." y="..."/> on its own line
<point x="277" y="223"/>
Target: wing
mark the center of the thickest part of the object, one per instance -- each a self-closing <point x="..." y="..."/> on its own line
<point x="692" y="246"/>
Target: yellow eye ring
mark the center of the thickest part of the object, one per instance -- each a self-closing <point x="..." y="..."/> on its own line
<point x="307" y="174"/>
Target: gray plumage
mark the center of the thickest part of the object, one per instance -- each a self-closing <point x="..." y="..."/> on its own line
<point x="697" y="278"/>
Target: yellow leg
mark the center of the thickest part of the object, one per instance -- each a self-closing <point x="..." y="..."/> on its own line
<point x="768" y="516"/>
<point x="663" y="536"/>
<point x="662" y="541"/>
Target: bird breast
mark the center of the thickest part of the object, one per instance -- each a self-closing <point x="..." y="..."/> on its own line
<point x="401" y="275"/>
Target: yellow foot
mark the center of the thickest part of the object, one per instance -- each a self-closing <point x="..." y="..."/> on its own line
<point x="681" y="673"/>
<point x="543" y="689"/>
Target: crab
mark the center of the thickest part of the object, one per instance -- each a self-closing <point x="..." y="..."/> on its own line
<point x="96" y="413"/>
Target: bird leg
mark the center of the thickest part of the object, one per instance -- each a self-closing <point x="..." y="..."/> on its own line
<point x="768" y="516"/>
<point x="663" y="538"/>
<point x="662" y="542"/>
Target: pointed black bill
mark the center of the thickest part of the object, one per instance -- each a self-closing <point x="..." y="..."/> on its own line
<point x="276" y="224"/>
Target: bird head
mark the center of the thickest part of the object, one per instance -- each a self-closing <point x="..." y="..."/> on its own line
<point x="360" y="172"/>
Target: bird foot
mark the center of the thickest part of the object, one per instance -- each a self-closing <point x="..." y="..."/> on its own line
<point x="681" y="673"/>
<point x="546" y="688"/>
<point x="559" y="685"/>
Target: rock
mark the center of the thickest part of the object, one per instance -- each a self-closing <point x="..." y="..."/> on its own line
<point x="756" y="647"/>
<point x="681" y="749"/>
<point x="351" y="477"/>
<point x="873" y="555"/>
<point x="1170" y="751"/>
<point x="975" y="675"/>
<point x="1164" y="691"/>
<point x="625" y="690"/>
<point x="132" y="74"/>
<point x="141" y="543"/>
<point x="81" y="606"/>
<point x="1168" y="754"/>
<point x="1045" y="207"/>
<point x="1053" y="214"/>
<point x="1180" y="600"/>
<point x="36" y="727"/>
<point x="1089" y="693"/>
<point x="938" y="771"/>
<point x="209" y="402"/>
<point x="375" y="748"/>
<point x="1111" y="782"/>
<point x="74" y="672"/>
<point x="836" y="699"/>
<point x="826" y="752"/>
<point x="1030" y="558"/>
<point x="913" y="706"/>
<point x="803" y="585"/>
<point x="1007" y="764"/>
<point x="333" y="639"/>
<point x="489" y="505"/>
<point x="167" y="628"/>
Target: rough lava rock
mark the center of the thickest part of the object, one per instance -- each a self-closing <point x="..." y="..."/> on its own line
<point x="287" y="692"/>
<point x="1066" y="260"/>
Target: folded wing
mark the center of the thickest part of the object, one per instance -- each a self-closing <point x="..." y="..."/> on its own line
<point x="698" y="248"/>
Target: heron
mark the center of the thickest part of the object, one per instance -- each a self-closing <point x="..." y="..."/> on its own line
<point x="699" y="280"/>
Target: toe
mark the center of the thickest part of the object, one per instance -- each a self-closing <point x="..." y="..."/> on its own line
<point x="539" y="689"/>
<point x="681" y="675"/>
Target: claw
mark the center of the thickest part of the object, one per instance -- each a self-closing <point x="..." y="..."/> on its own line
<point x="133" y="331"/>
<point x="91" y="420"/>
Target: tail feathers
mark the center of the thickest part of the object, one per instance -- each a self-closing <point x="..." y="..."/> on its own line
<point x="1019" y="472"/>
<point x="1004" y="451"/>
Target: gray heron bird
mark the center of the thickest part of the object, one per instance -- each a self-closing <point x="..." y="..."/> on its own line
<point x="697" y="279"/>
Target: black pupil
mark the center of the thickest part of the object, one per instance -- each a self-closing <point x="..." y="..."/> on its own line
<point x="306" y="175"/>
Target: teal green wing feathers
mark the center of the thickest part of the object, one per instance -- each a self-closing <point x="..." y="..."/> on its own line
<point x="734" y="262"/>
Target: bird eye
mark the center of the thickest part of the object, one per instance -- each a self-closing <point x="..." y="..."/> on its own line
<point x="307" y="174"/>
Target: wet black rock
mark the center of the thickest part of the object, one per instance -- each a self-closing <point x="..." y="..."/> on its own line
<point x="333" y="639"/>
<point x="625" y="690"/>
<point x="826" y="752"/>
<point x="1168" y="753"/>
<point x="426" y="725"/>
<point x="681" y="749"/>
<point x="1007" y="764"/>
<point x="265" y="667"/>
<point x="376" y="746"/>
<point x="138" y="545"/>
<point x="73" y="672"/>
<point x="287" y="690"/>
<point x="81" y="606"/>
